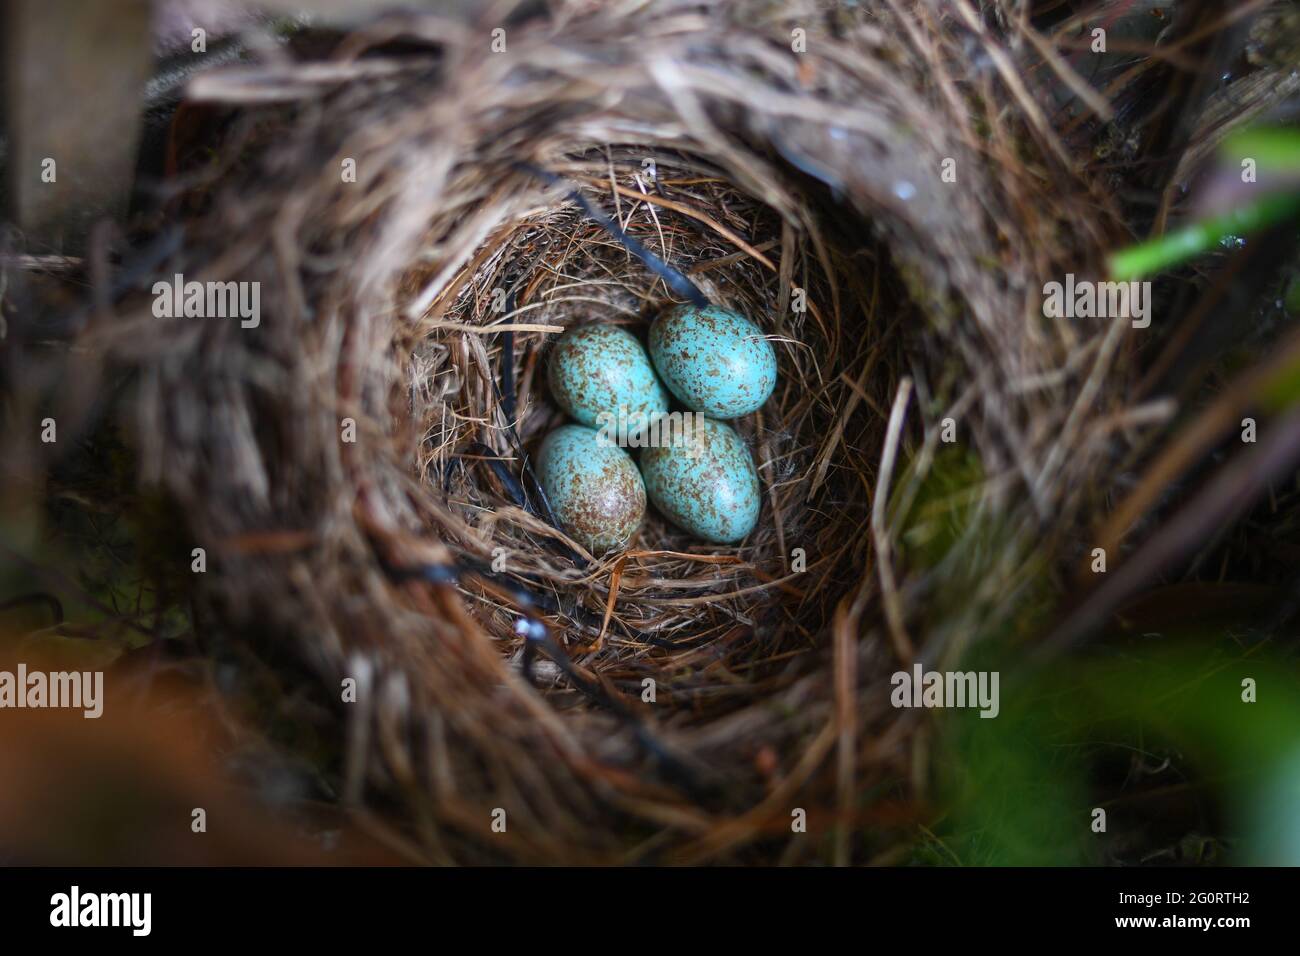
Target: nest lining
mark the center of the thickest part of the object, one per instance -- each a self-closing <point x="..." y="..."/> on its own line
<point x="744" y="604"/>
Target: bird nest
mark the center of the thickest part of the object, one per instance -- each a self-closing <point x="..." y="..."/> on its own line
<point x="425" y="208"/>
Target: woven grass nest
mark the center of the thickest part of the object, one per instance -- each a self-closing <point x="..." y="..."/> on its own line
<point x="498" y="669"/>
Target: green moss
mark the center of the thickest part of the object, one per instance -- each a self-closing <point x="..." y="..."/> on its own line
<point x="943" y="508"/>
<point x="1291" y="298"/>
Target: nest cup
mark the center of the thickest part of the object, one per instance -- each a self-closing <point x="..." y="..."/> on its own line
<point x="500" y="666"/>
<point x="667" y="592"/>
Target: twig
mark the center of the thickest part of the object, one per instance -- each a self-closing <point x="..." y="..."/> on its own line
<point x="879" y="510"/>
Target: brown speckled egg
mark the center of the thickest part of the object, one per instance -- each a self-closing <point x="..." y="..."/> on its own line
<point x="601" y="369"/>
<point x="708" y="486"/>
<point x="714" y="360"/>
<point x="593" y="487"/>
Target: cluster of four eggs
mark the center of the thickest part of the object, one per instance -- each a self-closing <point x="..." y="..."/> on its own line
<point x="699" y="474"/>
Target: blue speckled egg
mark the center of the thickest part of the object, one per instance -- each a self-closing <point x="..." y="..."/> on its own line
<point x="714" y="360"/>
<point x="597" y="369"/>
<point x="708" y="487"/>
<point x="593" y="487"/>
